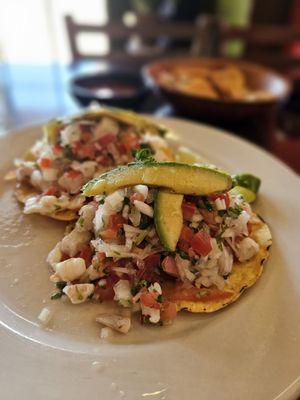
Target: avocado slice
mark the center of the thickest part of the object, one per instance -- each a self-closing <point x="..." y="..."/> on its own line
<point x="177" y="177"/>
<point x="248" y="195"/>
<point x="51" y="130"/>
<point x="247" y="181"/>
<point x="168" y="218"/>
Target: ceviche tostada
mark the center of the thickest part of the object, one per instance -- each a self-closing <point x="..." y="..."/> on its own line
<point x="160" y="237"/>
<point x="74" y="150"/>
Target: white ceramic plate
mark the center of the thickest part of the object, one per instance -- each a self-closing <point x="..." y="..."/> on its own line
<point x="249" y="350"/>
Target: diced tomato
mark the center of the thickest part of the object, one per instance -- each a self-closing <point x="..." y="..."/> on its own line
<point x="106" y="139"/>
<point x="136" y="196"/>
<point x="149" y="300"/>
<point x="183" y="245"/>
<point x="209" y="216"/>
<point x="188" y="210"/>
<point x="152" y="261"/>
<point x="169" y="311"/>
<point x="121" y="148"/>
<point x="107" y="292"/>
<point x="84" y="150"/>
<point x="222" y="196"/>
<point x="51" y="191"/>
<point x="169" y="266"/>
<point x="45" y="162"/>
<point x="73" y="174"/>
<point x="57" y="149"/>
<point x="130" y="141"/>
<point x="201" y="243"/>
<point x="86" y="136"/>
<point x="64" y="256"/>
<point x="116" y="221"/>
<point x="109" y="234"/>
<point x="191" y="252"/>
<point x="101" y="256"/>
<point x="86" y="253"/>
<point x="186" y="234"/>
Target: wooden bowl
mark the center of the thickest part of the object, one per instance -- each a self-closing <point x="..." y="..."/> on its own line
<point x="257" y="78"/>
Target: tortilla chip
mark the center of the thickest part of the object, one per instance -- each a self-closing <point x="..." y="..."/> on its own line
<point x="24" y="192"/>
<point x="243" y="275"/>
<point x="229" y="81"/>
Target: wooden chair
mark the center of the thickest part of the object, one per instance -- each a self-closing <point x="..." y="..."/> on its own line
<point x="264" y="44"/>
<point x="271" y="45"/>
<point x="151" y="29"/>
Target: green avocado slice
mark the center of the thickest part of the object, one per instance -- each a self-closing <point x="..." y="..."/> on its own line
<point x="176" y="177"/>
<point x="168" y="218"/>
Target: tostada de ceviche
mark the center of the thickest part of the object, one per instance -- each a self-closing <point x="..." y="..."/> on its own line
<point x="160" y="237"/>
<point x="74" y="150"/>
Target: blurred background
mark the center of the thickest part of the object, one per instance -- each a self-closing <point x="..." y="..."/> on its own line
<point x="56" y="56"/>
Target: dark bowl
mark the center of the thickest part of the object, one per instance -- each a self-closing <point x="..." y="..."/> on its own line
<point x="257" y="78"/>
<point x="124" y="89"/>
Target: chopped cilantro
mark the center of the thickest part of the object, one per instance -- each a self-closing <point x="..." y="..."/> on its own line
<point x="80" y="221"/>
<point x="67" y="152"/>
<point x="234" y="212"/>
<point x="160" y="298"/>
<point x="194" y="261"/>
<point x="56" y="295"/>
<point x="207" y="204"/>
<point x="126" y="200"/>
<point x="145" y="221"/>
<point x="143" y="155"/>
<point x="124" y="303"/>
<point x="101" y="201"/>
<point x="135" y="289"/>
<point x="183" y="254"/>
<point x="60" y="285"/>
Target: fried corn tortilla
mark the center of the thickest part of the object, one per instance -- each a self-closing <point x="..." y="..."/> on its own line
<point x="242" y="276"/>
<point x="24" y="192"/>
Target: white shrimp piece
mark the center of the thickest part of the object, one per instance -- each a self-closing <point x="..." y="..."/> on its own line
<point x="122" y="290"/>
<point x="79" y="293"/>
<point x="87" y="168"/>
<point x="24" y="169"/>
<point x="153" y="313"/>
<point x="49" y="174"/>
<point x="87" y="214"/>
<point x="116" y="322"/>
<point x="71" y="184"/>
<point x="45" y="316"/>
<point x="74" y="241"/>
<point x="246" y="249"/>
<point x="105" y="126"/>
<point x="144" y="208"/>
<point x="70" y="134"/>
<point x="36" y="179"/>
<point x="70" y="269"/>
<point x="225" y="261"/>
<point x="54" y="256"/>
<point x="141" y="189"/>
<point x="94" y="273"/>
